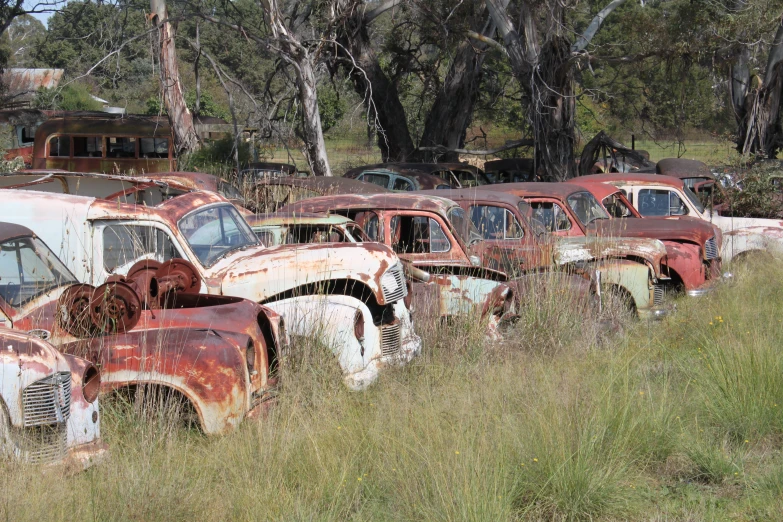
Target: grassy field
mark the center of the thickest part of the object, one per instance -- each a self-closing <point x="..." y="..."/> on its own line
<point x="566" y="420"/>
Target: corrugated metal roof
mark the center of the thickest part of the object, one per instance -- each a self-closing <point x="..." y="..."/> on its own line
<point x="21" y="81"/>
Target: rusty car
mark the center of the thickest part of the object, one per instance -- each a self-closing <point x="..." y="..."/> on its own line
<point x="151" y="328"/>
<point x="456" y="175"/>
<point x="349" y="296"/>
<point x="511" y="170"/>
<point x="49" y="408"/>
<point x="104" y="144"/>
<point x="630" y="268"/>
<point x="432" y="235"/>
<point x="569" y="209"/>
<point x="670" y="197"/>
<point x="401" y="180"/>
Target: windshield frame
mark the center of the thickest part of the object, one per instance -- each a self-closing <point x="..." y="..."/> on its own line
<point x="472" y="233"/>
<point x="242" y="225"/>
<point x="693" y="198"/>
<point x="53" y="263"/>
<point x="596" y="204"/>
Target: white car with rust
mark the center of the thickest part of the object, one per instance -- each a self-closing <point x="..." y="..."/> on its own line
<point x="49" y="410"/>
<point x="349" y="296"/>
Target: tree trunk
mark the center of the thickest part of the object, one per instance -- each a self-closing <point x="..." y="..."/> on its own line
<point x="372" y="84"/>
<point x="758" y="110"/>
<point x="180" y="119"/>
<point x="297" y="56"/>
<point x="452" y="111"/>
<point x="546" y="74"/>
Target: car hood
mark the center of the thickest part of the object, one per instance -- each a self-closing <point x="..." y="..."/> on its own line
<point x="574" y="249"/>
<point x="263" y="274"/>
<point x="688" y="230"/>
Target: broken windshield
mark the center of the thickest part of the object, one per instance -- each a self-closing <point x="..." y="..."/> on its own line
<point x="215" y="232"/>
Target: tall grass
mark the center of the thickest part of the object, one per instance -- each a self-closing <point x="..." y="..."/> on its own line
<point x="554" y="422"/>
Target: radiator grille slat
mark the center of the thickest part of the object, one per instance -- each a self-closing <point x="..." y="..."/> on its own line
<point x="711" y="248"/>
<point x="393" y="284"/>
<point x="659" y="292"/>
<point x="41" y="444"/>
<point x="391" y="341"/>
<point x="47" y="401"/>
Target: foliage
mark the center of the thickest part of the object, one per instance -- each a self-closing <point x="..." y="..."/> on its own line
<point x="759" y="193"/>
<point x="217" y="155"/>
<point x="331" y="106"/>
<point x="72" y="97"/>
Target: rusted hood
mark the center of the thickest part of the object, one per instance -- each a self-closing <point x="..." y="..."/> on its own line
<point x="681" y="230"/>
<point x="574" y="249"/>
<point x="260" y="274"/>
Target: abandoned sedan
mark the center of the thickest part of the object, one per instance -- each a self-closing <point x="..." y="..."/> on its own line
<point x="568" y="209"/>
<point x="666" y="196"/>
<point x="151" y="328"/>
<point x="349" y="296"/>
<point x="49" y="412"/>
<point x="629" y="267"/>
<point x="447" y="280"/>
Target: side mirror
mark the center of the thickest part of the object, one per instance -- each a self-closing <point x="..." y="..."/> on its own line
<point x="475" y="261"/>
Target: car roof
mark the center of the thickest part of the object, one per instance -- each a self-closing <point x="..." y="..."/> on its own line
<point x="684" y="168"/>
<point x="296" y="218"/>
<point x="635" y="178"/>
<point x="534" y="189"/>
<point x="599" y="190"/>
<point x="391" y="201"/>
<point x="474" y="194"/>
<point x="326" y="185"/>
<point x="11" y="231"/>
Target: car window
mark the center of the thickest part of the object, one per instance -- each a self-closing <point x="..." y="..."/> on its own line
<point x="214" y="232"/>
<point x="154" y="148"/>
<point x="124" y="244"/>
<point x="496" y="222"/>
<point x="551" y="215"/>
<point x="87" y="147"/>
<point x="369" y="223"/>
<point x="586" y="207"/>
<point x="418" y="235"/>
<point x="60" y="146"/>
<point x="382" y="180"/>
<point x="29" y="269"/>
<point x="402" y="184"/>
<point x="616" y="207"/>
<point x="660" y="202"/>
<point x="120" y="147"/>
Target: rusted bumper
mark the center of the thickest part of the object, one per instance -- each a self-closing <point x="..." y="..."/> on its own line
<point x="84" y="456"/>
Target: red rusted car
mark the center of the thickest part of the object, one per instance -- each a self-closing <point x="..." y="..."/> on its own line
<point x="568" y="209"/>
<point x="434" y="236"/>
<point x="149" y="328"/>
<point x="518" y="244"/>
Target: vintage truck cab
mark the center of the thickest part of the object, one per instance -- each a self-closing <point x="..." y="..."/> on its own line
<point x="350" y="296"/>
<point x="219" y="353"/>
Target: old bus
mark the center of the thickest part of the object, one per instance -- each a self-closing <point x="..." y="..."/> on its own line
<point x="130" y="144"/>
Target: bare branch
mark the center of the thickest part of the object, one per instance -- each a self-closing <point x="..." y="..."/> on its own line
<point x="584" y="39"/>
<point x="439" y="149"/>
<point x="378" y="11"/>
<point x="485" y="39"/>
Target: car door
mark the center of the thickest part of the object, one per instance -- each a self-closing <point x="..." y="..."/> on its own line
<point x="660" y="202"/>
<point x="507" y="246"/>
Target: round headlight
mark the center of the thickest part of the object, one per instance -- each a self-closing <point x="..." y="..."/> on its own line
<point x="91" y="383"/>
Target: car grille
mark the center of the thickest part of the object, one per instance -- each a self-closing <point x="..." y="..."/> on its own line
<point x="711" y="248"/>
<point x="659" y="292"/>
<point x="41" y="444"/>
<point x="391" y="340"/>
<point x="47" y="401"/>
<point x="393" y="284"/>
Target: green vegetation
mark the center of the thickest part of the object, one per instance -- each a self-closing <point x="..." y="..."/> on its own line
<point x="564" y="421"/>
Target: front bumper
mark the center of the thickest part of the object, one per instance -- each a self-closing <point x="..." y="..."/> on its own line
<point x="84" y="456"/>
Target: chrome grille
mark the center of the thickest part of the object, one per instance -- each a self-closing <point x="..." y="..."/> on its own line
<point x="47" y="401"/>
<point x="391" y="341"/>
<point x="711" y="248"/>
<point x="41" y="444"/>
<point x="659" y="292"/>
<point x="393" y="284"/>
